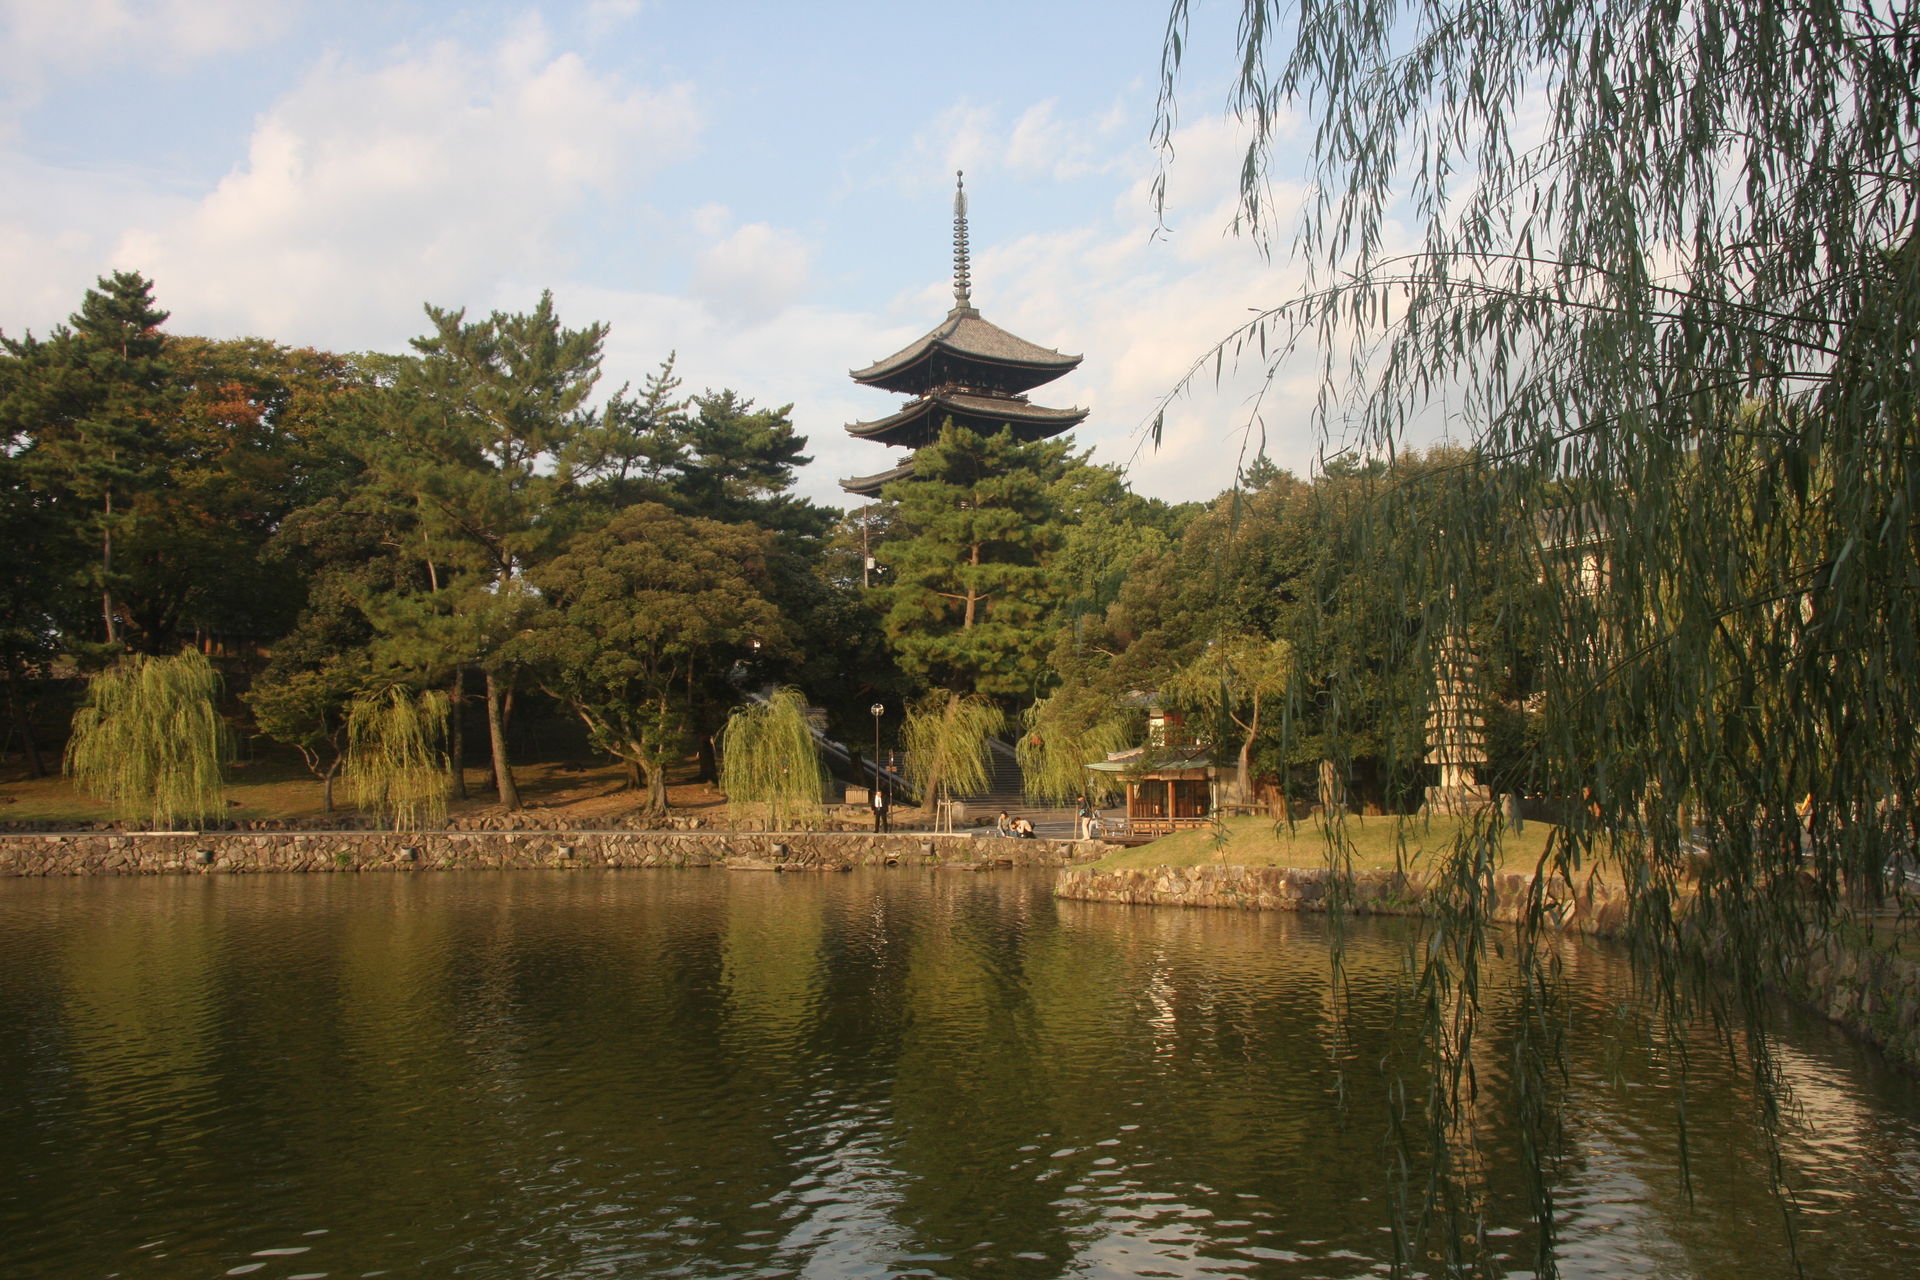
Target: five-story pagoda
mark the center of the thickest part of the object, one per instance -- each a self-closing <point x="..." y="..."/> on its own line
<point x="966" y="369"/>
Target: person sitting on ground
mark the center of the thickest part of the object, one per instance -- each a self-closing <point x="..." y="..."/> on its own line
<point x="1023" y="828"/>
<point x="1003" y="825"/>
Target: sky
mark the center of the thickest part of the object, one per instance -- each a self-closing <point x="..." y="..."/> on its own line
<point x="763" y="189"/>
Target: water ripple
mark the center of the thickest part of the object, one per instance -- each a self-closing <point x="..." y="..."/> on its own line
<point x="884" y="1074"/>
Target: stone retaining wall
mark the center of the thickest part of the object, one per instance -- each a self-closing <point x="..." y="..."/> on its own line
<point x="1597" y="910"/>
<point x="1869" y="991"/>
<point x="237" y="852"/>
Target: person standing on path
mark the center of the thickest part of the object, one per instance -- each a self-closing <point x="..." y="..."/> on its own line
<point x="879" y="801"/>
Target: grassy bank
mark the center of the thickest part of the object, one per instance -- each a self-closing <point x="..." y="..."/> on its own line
<point x="276" y="786"/>
<point x="1378" y="844"/>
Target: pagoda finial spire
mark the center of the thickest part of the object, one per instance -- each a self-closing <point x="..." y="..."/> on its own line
<point x="962" y="277"/>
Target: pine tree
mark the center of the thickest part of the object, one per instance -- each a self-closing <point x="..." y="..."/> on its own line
<point x="968" y="592"/>
<point x="474" y="426"/>
<point x="741" y="463"/>
<point x="637" y="448"/>
<point x="88" y="408"/>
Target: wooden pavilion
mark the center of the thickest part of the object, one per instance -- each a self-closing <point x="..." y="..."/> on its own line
<point x="1171" y="785"/>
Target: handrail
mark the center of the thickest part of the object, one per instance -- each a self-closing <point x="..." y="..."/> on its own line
<point x="879" y="773"/>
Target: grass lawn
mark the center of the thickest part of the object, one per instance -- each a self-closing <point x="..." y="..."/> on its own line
<point x="277" y="785"/>
<point x="1379" y="844"/>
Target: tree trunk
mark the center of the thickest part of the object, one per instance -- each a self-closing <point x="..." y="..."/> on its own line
<point x="635" y="779"/>
<point x="497" y="737"/>
<point x="973" y="596"/>
<point x="1243" y="783"/>
<point x="456" y="737"/>
<point x="23" y="724"/>
<point x="326" y="787"/>
<point x="106" y="571"/>
<point x="1330" y="791"/>
<point x="657" y="789"/>
<point x="709" y="763"/>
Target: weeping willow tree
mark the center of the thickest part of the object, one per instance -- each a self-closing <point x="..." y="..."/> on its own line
<point x="396" y="764"/>
<point x="1236" y="682"/>
<point x="149" y="741"/>
<point x="1660" y="262"/>
<point x="947" y="740"/>
<point x="768" y="757"/>
<point x="1060" y="736"/>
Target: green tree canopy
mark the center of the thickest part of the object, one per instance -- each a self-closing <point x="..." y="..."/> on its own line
<point x="646" y="615"/>
<point x="473" y="430"/>
<point x="88" y="410"/>
<point x="967" y="595"/>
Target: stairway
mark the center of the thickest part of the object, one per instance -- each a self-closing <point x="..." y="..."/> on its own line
<point x="1005" y="789"/>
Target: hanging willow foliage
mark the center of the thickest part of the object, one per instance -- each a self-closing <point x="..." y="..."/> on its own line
<point x="1680" y="325"/>
<point x="396" y="765"/>
<point x="149" y="741"/>
<point x="946" y="738"/>
<point x="768" y="757"/>
<point x="1060" y="736"/>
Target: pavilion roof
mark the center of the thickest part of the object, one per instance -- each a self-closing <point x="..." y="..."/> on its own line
<point x="919" y="421"/>
<point x="1163" y="766"/>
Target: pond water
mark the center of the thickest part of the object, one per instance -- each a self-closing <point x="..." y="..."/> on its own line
<point x="887" y="1073"/>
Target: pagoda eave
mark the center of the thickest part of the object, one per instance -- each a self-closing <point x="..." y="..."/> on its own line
<point x="919" y="423"/>
<point x="870" y="486"/>
<point x="965" y="340"/>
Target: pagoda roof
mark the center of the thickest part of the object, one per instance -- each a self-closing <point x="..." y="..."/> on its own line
<point x="962" y="341"/>
<point x="870" y="486"/>
<point x="919" y="421"/>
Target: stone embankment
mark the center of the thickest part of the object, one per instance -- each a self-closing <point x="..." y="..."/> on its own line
<point x="1870" y="991"/>
<point x="1596" y="909"/>
<point x="82" y="853"/>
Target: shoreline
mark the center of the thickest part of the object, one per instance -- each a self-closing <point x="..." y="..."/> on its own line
<point x="123" y="853"/>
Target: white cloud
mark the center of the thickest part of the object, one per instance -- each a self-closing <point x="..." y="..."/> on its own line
<point x="44" y="39"/>
<point x="964" y="136"/>
<point x="603" y="16"/>
<point x="1042" y="143"/>
<point x="754" y="273"/>
<point x="365" y="191"/>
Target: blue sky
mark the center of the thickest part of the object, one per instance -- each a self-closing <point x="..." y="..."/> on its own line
<point x="763" y="188"/>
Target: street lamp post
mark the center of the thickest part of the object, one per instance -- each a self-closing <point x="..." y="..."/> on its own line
<point x="878" y="709"/>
